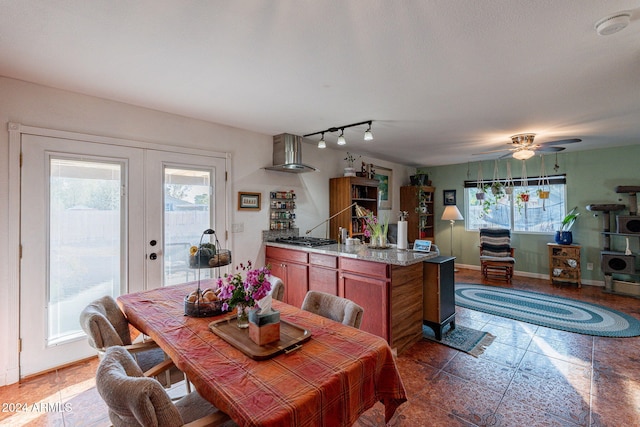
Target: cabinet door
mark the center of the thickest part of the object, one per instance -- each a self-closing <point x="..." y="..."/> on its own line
<point x="323" y="280"/>
<point x="372" y="295"/>
<point x="297" y="284"/>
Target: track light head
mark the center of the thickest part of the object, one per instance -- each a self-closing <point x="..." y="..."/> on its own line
<point x="368" y="136"/>
<point x="341" y="140"/>
<point x="322" y="143"/>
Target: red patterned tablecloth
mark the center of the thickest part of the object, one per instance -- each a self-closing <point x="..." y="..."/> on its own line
<point x="336" y="375"/>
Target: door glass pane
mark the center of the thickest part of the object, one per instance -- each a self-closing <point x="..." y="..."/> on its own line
<point x="85" y="252"/>
<point x="188" y="198"/>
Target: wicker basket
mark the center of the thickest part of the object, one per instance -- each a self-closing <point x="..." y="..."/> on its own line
<point x="202" y="309"/>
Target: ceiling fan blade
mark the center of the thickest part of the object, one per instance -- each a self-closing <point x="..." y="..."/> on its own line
<point x="562" y="141"/>
<point x="491" y="151"/>
<point x="505" y="156"/>
<point x="550" y="149"/>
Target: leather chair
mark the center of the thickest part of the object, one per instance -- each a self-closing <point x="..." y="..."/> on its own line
<point x="277" y="288"/>
<point x="333" y="307"/>
<point x="136" y="400"/>
<point x="105" y="326"/>
<point x="496" y="254"/>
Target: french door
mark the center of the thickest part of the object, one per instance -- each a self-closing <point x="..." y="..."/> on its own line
<point x="100" y="219"/>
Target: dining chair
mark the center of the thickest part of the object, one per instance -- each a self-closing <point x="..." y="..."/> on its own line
<point x="496" y="254"/>
<point x="277" y="288"/>
<point x="333" y="307"/>
<point x="105" y="326"/>
<point x="136" y="400"/>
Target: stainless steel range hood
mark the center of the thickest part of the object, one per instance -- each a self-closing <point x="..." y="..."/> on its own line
<point x="287" y="154"/>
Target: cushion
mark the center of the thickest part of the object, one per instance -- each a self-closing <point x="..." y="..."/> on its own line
<point x="497" y="258"/>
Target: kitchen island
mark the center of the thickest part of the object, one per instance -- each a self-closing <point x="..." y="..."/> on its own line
<point x="387" y="283"/>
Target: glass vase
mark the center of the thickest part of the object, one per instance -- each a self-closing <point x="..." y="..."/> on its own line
<point x="243" y="316"/>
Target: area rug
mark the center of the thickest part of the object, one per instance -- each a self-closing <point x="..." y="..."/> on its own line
<point x="462" y="338"/>
<point x="551" y="311"/>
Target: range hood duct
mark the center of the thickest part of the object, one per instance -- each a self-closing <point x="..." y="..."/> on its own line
<point x="287" y="154"/>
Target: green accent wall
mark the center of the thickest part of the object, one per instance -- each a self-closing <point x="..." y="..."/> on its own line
<point x="592" y="176"/>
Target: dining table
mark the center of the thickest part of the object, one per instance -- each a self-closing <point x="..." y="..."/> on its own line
<point x="328" y="380"/>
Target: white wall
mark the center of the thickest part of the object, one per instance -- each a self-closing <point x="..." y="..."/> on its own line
<point x="39" y="106"/>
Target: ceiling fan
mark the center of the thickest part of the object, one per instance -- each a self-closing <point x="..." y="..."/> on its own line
<point x="522" y="146"/>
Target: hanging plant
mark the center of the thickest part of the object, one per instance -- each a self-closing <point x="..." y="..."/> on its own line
<point x="480" y="189"/>
<point x="508" y="184"/>
<point x="523" y="196"/>
<point x="543" y="182"/>
<point x="497" y="189"/>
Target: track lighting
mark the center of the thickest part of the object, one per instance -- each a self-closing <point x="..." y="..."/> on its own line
<point x="322" y="143"/>
<point x="368" y="135"/>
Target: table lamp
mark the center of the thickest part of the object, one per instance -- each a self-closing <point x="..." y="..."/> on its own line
<point x="452" y="214"/>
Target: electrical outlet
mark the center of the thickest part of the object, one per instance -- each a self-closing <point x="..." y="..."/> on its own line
<point x="237" y="228"/>
<point x="589" y="266"/>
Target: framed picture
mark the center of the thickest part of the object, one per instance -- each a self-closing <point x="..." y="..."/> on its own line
<point x="422" y="245"/>
<point x="384" y="175"/>
<point x="449" y="197"/>
<point x="248" y="201"/>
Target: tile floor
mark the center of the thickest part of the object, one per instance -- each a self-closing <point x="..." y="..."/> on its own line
<point x="529" y="376"/>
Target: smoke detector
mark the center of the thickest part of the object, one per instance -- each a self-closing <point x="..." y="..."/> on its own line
<point x="613" y="23"/>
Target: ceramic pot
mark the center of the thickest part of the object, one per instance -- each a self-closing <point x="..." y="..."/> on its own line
<point x="349" y="172"/>
<point x="543" y="194"/>
<point x="564" y="237"/>
<point x="480" y="196"/>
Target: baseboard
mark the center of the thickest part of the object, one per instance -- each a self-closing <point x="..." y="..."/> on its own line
<point x="599" y="283"/>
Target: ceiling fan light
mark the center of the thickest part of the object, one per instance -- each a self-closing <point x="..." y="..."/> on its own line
<point x="524" y="154"/>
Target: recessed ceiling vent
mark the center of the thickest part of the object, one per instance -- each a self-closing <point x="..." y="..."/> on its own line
<point x="287" y="154"/>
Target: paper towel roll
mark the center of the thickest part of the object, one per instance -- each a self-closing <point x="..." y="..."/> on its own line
<point x="402" y="234"/>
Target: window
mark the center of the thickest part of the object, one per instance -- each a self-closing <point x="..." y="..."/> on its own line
<point x="498" y="209"/>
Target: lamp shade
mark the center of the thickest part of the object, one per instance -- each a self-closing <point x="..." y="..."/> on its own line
<point x="451" y="213"/>
<point x="524" y="154"/>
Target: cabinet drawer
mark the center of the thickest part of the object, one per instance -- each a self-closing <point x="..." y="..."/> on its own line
<point x="289" y="255"/>
<point x="366" y="268"/>
<point x="323" y="260"/>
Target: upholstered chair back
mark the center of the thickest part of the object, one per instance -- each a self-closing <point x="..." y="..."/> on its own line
<point x="333" y="307"/>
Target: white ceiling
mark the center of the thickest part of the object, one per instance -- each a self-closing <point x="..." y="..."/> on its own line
<point x="441" y="79"/>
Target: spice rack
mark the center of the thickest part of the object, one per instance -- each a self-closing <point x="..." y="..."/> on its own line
<point x="283" y="205"/>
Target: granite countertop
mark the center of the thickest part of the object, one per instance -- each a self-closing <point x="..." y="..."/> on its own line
<point x="393" y="255"/>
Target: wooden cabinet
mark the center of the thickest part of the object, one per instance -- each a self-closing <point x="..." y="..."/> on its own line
<point x="390" y="294"/>
<point x="439" y="302"/>
<point x="292" y="267"/>
<point x="367" y="284"/>
<point x="564" y="263"/>
<point x="418" y="201"/>
<point x="343" y="192"/>
<point x="323" y="273"/>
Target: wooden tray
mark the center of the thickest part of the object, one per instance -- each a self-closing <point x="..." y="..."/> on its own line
<point x="291" y="338"/>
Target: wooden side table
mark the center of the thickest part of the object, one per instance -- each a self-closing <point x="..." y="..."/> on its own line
<point x="564" y="264"/>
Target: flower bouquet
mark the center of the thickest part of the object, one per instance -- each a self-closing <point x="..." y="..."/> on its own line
<point x="375" y="230"/>
<point x="244" y="292"/>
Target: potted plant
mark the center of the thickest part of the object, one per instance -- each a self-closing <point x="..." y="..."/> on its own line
<point x="350" y="170"/>
<point x="564" y="236"/>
